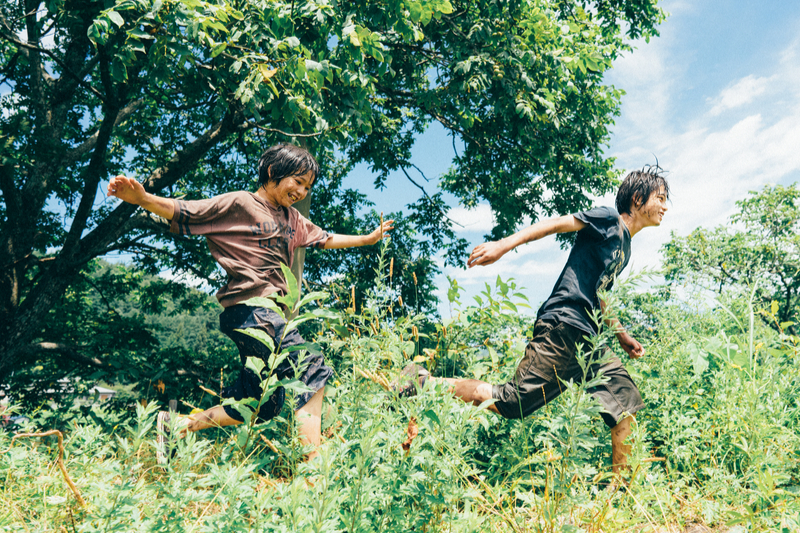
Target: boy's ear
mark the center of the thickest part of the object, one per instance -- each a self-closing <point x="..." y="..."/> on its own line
<point x="637" y="202"/>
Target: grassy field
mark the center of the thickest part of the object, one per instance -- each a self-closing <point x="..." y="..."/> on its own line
<point x="716" y="446"/>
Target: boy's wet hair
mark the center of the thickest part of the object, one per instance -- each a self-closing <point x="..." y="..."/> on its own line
<point x="284" y="160"/>
<point x="638" y="185"/>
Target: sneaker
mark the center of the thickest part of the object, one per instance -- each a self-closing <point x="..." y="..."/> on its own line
<point x="163" y="438"/>
<point x="412" y="375"/>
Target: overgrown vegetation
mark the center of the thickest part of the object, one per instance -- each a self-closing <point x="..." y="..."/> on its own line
<point x="717" y="443"/>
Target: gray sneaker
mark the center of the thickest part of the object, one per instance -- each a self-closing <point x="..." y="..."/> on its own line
<point x="163" y="438"/>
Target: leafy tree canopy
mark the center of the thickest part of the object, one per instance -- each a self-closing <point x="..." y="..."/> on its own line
<point x="186" y="93"/>
<point x="760" y="249"/>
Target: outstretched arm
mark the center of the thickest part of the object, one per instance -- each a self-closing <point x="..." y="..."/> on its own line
<point x="489" y="252"/>
<point x="352" y="241"/>
<point x="631" y="346"/>
<point x="131" y="191"/>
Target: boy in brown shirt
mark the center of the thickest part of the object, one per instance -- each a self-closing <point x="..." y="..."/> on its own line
<point x="250" y="235"/>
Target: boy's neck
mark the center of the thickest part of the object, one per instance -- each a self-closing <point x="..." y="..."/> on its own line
<point x="634" y="224"/>
<point x="262" y="193"/>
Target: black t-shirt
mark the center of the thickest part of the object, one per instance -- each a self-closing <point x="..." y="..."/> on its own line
<point x="600" y="253"/>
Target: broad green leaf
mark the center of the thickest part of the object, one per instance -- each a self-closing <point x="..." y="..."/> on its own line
<point x="312" y="296"/>
<point x="139" y="34"/>
<point x="414" y="10"/>
<point x="698" y="358"/>
<point x="260" y="335"/>
<point x="217" y="50"/>
<point x="492" y="354"/>
<point x="485" y="404"/>
<point x="116" y="18"/>
<point x="291" y="299"/>
<point x="445" y="7"/>
<point x="268" y="302"/>
<point x="433" y="416"/>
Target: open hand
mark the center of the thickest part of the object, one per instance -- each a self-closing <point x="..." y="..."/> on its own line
<point x="381" y="231"/>
<point x="631" y="346"/>
<point x="486" y="254"/>
<point x="126" y="189"/>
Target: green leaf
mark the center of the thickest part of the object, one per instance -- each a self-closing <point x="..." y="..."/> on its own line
<point x="415" y="11"/>
<point x="698" y="358"/>
<point x="493" y="355"/>
<point x="217" y="50"/>
<point x="484" y="405"/>
<point x="139" y="34"/>
<point x="268" y="302"/>
<point x="311" y="315"/>
<point x="445" y="7"/>
<point x="94" y="34"/>
<point x="260" y="335"/>
<point x="426" y="16"/>
<point x="118" y="71"/>
<point x="310" y="297"/>
<point x="292" y="298"/>
<point x="116" y="18"/>
<point x="433" y="416"/>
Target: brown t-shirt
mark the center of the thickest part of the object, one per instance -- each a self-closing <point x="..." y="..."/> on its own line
<point x="249" y="238"/>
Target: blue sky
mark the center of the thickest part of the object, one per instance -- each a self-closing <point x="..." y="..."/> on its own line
<point x="716" y="97"/>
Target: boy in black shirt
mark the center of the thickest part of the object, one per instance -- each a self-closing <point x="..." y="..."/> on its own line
<point x="600" y="253"/>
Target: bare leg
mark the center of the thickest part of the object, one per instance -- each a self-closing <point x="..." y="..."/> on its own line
<point x="620" y="450"/>
<point x="309" y="420"/>
<point x="470" y="390"/>
<point x="216" y="417"/>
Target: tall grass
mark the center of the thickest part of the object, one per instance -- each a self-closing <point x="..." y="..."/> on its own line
<point x="717" y="443"/>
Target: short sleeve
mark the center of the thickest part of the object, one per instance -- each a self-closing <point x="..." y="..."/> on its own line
<point x="309" y="235"/>
<point x="599" y="221"/>
<point x="197" y="217"/>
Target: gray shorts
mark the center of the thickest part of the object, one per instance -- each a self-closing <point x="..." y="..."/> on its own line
<point x="551" y="357"/>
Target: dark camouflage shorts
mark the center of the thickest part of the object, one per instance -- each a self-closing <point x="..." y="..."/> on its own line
<point x="248" y="384"/>
<point x="551" y="357"/>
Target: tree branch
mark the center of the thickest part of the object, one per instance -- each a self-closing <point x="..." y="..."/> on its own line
<point x="72" y="352"/>
<point x="123" y="114"/>
<point x="56" y="59"/>
<point x="66" y="350"/>
<point x="113" y="227"/>
<point x="91" y="178"/>
<point x="420" y="187"/>
<point x="298" y="135"/>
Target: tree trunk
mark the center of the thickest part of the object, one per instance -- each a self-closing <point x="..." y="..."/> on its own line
<point x="304" y="206"/>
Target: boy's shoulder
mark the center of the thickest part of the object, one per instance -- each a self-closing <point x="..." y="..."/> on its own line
<point x="599" y="215"/>
<point x="602" y="211"/>
<point x="601" y="223"/>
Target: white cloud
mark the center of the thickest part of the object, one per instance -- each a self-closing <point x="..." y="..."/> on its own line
<point x="740" y="93"/>
<point x="746" y="137"/>
<point x="478" y="220"/>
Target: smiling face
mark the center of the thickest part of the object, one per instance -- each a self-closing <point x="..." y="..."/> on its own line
<point x="289" y="190"/>
<point x="652" y="212"/>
